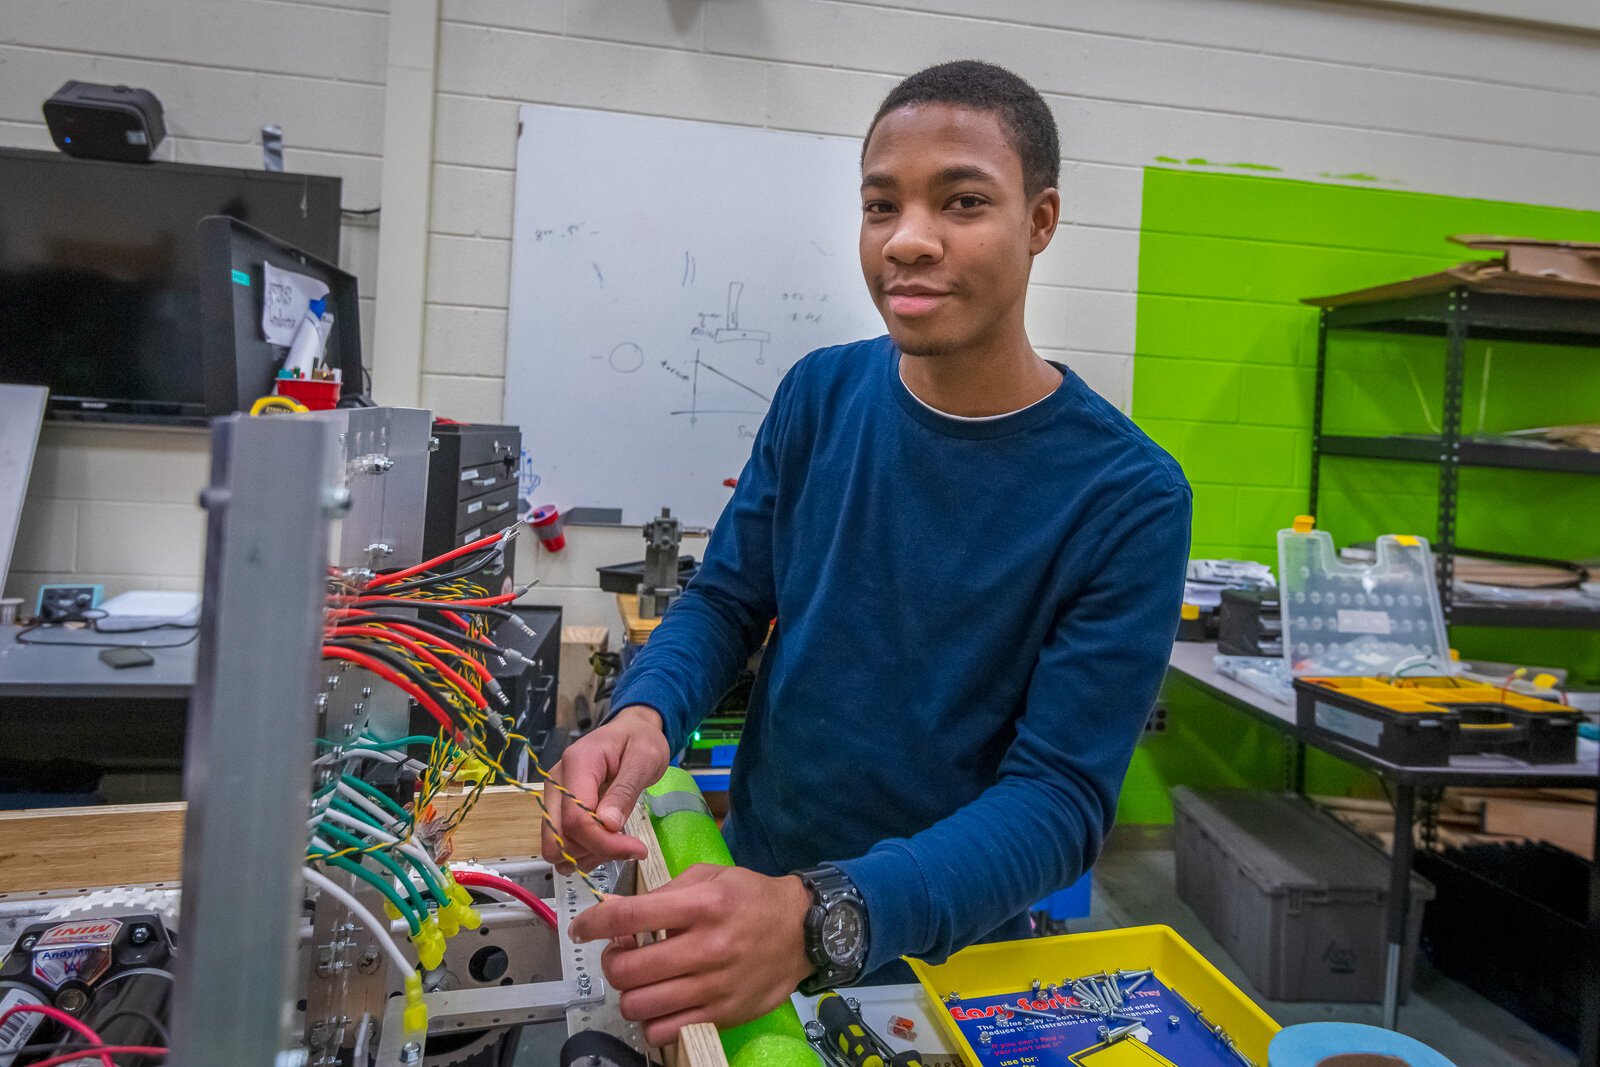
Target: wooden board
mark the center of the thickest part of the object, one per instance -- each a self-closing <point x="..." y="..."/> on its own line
<point x="67" y="848"/>
<point x="698" y="1043"/>
<point x="637" y="629"/>
<point x="1568" y="826"/>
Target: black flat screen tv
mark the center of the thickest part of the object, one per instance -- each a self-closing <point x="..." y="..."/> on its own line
<point x="99" y="275"/>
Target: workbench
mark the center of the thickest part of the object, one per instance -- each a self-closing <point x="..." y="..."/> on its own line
<point x="1193" y="662"/>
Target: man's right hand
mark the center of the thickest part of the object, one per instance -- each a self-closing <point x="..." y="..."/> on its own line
<point x="606" y="771"/>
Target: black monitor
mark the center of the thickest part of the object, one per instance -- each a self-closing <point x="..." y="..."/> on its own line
<point x="99" y="269"/>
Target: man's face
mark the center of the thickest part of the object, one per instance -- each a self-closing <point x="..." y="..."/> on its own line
<point x="948" y="233"/>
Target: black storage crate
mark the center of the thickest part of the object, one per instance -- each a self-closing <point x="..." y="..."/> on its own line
<point x="1508" y="922"/>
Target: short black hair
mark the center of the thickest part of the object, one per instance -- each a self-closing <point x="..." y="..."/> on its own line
<point x="970" y="83"/>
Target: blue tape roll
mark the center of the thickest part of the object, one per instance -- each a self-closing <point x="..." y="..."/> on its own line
<point x="1308" y="1044"/>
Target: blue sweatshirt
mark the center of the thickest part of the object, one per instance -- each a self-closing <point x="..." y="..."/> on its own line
<point x="973" y="619"/>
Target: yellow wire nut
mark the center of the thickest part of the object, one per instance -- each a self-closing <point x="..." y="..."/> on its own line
<point x="461" y="905"/>
<point x="465" y="915"/>
<point x="389" y="909"/>
<point x="414" y="1019"/>
<point x="449" y="922"/>
<point x="473" y="771"/>
<point x="429" y="943"/>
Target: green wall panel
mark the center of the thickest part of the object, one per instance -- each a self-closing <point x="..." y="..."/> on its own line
<point x="1224" y="377"/>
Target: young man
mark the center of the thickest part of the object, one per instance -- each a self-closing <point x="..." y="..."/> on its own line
<point x="975" y="564"/>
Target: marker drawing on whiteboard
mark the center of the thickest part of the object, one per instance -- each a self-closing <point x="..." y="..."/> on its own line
<point x="597" y="274"/>
<point x="626" y="358"/>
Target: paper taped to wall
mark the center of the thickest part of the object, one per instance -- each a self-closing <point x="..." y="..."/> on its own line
<point x="284" y="303"/>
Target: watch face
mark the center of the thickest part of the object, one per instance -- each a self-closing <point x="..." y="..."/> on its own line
<point x="841" y="933"/>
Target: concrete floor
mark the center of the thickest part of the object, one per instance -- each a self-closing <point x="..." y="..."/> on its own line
<point x="1137" y="887"/>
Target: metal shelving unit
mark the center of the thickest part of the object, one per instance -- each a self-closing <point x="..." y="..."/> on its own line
<point x="1456" y="315"/>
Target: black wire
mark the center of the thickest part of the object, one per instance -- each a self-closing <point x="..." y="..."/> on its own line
<point x="386" y="655"/>
<point x="155" y="1025"/>
<point x="427" y="605"/>
<point x="194" y="632"/>
<point x="484" y="553"/>
<point x="449" y="632"/>
<point x="493" y="554"/>
<point x="59" y="1048"/>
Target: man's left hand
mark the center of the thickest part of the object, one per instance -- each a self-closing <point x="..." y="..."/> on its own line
<point x="736" y="950"/>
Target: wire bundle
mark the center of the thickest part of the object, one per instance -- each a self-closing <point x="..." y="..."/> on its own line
<point x="442" y="666"/>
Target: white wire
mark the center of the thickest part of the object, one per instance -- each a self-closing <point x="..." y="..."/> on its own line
<point x="410" y="848"/>
<point x="356" y="908"/>
<point x="372" y="753"/>
<point x="355" y="797"/>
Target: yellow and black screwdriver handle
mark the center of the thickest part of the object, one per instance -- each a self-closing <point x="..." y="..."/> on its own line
<point x="857" y="1045"/>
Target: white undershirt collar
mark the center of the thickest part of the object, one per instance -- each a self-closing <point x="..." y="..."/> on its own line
<point x="970" y="418"/>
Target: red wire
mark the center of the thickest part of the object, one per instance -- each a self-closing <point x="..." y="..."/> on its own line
<point x="411" y="646"/>
<point x="458" y="620"/>
<point x="389" y="674"/>
<point x="65" y="1020"/>
<point x="425" y="637"/>
<point x="427" y="565"/>
<point x="484" y="880"/>
<point x="103" y="1050"/>
<point x="409" y="601"/>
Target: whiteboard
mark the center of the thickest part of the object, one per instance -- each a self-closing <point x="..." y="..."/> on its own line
<point x="664" y="276"/>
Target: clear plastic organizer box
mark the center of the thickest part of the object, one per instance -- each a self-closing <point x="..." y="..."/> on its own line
<point x="1350" y="619"/>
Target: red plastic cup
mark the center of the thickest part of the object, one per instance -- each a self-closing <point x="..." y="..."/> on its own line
<point x="546" y="523"/>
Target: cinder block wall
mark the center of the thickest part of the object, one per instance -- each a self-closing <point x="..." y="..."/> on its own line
<point x="1324" y="91"/>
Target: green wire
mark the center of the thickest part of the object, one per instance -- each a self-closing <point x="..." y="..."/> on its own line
<point x="434" y="888"/>
<point x="378" y="795"/>
<point x="386" y="861"/>
<point x="401" y="905"/>
<point x="378" y="746"/>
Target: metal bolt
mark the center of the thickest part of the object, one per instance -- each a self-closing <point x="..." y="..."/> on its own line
<point x="349" y="729"/>
<point x="815" y="1031"/>
<point x="1172" y="1022"/>
<point x="583" y="984"/>
<point x="1111" y="1037"/>
<point x="984" y="1037"/>
<point x="952" y="997"/>
<point x="28" y="941"/>
<point x="72" y="1000"/>
<point x="319" y="1034"/>
<point x="411" y="1052"/>
<point x="335" y="501"/>
<point x="368" y="963"/>
<point x="366" y="691"/>
<point x="141" y="934"/>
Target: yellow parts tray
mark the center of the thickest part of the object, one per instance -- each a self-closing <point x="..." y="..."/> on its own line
<point x="1005" y="968"/>
<point x="1433" y="693"/>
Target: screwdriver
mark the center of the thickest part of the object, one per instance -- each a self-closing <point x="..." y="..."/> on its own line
<point x="858" y="1046"/>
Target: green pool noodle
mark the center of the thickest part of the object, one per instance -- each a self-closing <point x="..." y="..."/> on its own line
<point x="775" y="1050"/>
<point x="690" y="836"/>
